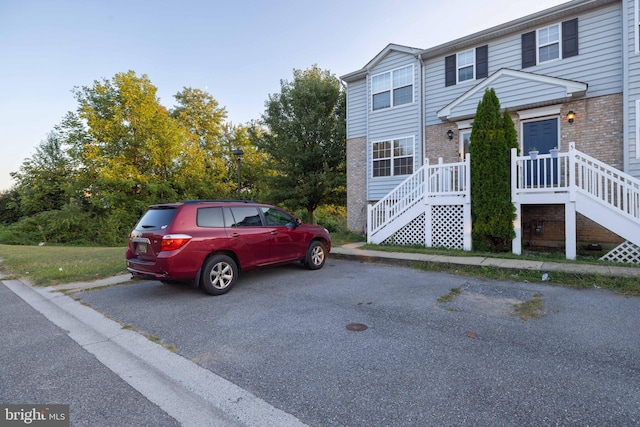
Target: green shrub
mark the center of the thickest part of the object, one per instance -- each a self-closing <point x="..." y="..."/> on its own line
<point x="69" y="225"/>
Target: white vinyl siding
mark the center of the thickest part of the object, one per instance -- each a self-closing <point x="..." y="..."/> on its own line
<point x="633" y="104"/>
<point x="637" y="129"/>
<point x="391" y="123"/>
<point x="636" y="25"/>
<point x="357" y="109"/>
<point x="598" y="65"/>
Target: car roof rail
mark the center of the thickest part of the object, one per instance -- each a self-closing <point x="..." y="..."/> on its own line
<point x="189" y="202"/>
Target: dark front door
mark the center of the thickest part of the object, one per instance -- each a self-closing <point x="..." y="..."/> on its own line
<point x="541" y="135"/>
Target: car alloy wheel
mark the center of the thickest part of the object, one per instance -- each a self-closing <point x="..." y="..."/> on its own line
<point x="219" y="274"/>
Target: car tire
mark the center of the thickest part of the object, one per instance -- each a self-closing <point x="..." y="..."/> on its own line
<point x="316" y="255"/>
<point x="219" y="274"/>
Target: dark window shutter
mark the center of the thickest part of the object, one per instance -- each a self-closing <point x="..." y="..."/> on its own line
<point x="529" y="49"/>
<point x="482" y="62"/>
<point x="570" y="38"/>
<point x="450" y="70"/>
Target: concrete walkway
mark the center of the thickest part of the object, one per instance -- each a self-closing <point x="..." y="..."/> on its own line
<point x="354" y="251"/>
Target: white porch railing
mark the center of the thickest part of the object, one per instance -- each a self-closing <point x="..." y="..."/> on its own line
<point x="433" y="181"/>
<point x="591" y="177"/>
<point x="543" y="174"/>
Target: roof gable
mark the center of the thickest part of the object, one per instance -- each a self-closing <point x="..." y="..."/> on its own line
<point x="379" y="58"/>
<point x="539" y="89"/>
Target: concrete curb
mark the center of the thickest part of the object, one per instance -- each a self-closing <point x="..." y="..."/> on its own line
<point x="353" y="251"/>
<point x="189" y="393"/>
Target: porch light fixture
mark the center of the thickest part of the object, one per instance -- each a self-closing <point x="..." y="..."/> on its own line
<point x="450" y="134"/>
<point x="570" y="116"/>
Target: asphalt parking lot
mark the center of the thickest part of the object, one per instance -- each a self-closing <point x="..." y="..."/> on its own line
<point x="282" y="335"/>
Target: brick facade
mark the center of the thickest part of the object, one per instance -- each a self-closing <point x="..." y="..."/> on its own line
<point x="357" y="185"/>
<point x="543" y="227"/>
<point x="597" y="130"/>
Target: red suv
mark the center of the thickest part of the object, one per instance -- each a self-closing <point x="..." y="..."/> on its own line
<point x="210" y="242"/>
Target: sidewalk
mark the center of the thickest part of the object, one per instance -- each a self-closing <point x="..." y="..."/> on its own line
<point x="354" y="251"/>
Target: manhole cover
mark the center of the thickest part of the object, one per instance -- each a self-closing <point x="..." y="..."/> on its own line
<point x="357" y="327"/>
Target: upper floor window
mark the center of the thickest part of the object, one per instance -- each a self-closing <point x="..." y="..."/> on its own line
<point x="393" y="157"/>
<point x="392" y="88"/>
<point x="551" y="43"/>
<point x="468" y="65"/>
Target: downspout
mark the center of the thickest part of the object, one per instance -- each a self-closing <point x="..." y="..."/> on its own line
<point x="367" y="206"/>
<point x="625" y="89"/>
<point x="423" y="143"/>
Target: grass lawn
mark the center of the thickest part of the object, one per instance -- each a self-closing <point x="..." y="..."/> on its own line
<point x="52" y="265"/>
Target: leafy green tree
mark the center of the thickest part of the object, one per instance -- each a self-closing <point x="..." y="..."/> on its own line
<point x="133" y="153"/>
<point x="252" y="165"/>
<point x="10" y="206"/>
<point x="304" y="139"/>
<point x="202" y="117"/>
<point x="43" y="180"/>
<point x="492" y="137"/>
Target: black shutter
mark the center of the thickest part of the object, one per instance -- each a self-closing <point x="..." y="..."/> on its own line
<point x="529" y="49"/>
<point x="570" y="38"/>
<point x="482" y="62"/>
<point x="450" y="70"/>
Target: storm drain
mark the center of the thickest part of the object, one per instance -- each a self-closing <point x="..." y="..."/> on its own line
<point x="357" y="327"/>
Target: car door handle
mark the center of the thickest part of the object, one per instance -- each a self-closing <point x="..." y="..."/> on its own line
<point x="274" y="232"/>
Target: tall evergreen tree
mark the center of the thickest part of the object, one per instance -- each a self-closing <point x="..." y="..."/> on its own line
<point x="492" y="137"/>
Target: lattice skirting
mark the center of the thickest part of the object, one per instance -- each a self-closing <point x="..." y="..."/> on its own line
<point x="447" y="229"/>
<point x="624" y="252"/>
<point x="409" y="235"/>
<point x="447" y="222"/>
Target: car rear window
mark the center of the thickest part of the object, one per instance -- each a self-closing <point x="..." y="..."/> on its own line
<point x="210" y="217"/>
<point x="156" y="218"/>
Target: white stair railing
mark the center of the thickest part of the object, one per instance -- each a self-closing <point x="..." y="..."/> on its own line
<point x="441" y="180"/>
<point x="403" y="197"/>
<point x="606" y="184"/>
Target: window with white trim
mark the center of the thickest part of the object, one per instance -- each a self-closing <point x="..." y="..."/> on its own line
<point x="393" y="157"/>
<point x="469" y="65"/>
<point x="549" y="43"/>
<point x="392" y="88"/>
<point x="552" y="43"/>
<point x="466" y="64"/>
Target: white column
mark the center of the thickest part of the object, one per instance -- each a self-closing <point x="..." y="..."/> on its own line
<point x="516" y="243"/>
<point x="428" y="226"/>
<point x="570" y="229"/>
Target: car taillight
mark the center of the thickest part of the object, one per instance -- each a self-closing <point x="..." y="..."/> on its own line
<point x="172" y="242"/>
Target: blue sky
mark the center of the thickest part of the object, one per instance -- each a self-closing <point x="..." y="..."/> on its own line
<point x="238" y="50"/>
